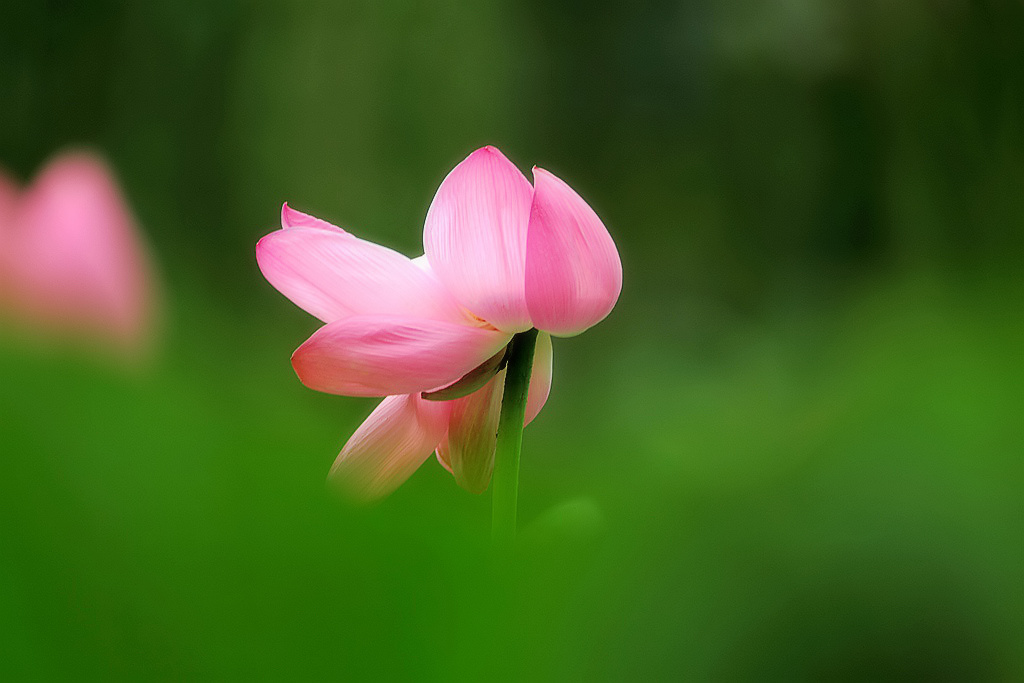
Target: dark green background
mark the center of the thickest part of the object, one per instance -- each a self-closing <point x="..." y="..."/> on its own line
<point x="793" y="451"/>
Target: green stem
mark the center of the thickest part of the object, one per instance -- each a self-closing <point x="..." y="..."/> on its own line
<point x="505" y="485"/>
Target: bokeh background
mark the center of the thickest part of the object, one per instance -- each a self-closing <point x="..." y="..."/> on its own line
<point x="793" y="451"/>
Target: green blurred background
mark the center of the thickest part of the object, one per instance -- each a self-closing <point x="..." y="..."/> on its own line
<point x="793" y="451"/>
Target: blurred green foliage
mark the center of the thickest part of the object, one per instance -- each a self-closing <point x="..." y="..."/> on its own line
<point x="794" y="450"/>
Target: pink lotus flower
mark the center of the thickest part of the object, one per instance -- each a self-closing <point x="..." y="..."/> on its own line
<point x="71" y="258"/>
<point x="502" y="256"/>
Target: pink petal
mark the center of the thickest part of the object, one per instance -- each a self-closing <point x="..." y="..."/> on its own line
<point x="8" y="202"/>
<point x="290" y="218"/>
<point x="376" y="355"/>
<point x="8" y="198"/>
<point x="573" y="272"/>
<point x="333" y="275"/>
<point x="468" y="448"/>
<point x="475" y="237"/>
<point x="389" y="446"/>
<point x="78" y="259"/>
<point x="540" y="377"/>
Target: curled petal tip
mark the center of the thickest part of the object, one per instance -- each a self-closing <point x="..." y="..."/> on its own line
<point x="442" y="454"/>
<point x="291" y="218"/>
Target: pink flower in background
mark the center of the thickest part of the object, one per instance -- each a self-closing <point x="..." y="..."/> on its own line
<point x="502" y="256"/>
<point x="71" y="258"/>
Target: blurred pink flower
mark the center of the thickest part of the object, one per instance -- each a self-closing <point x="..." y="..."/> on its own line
<point x="502" y="256"/>
<point x="71" y="258"/>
